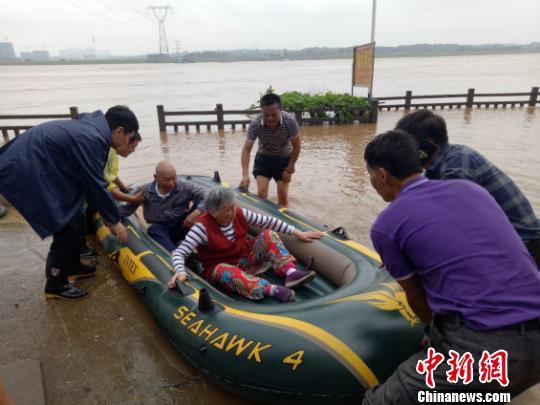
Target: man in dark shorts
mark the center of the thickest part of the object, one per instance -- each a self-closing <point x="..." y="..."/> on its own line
<point x="278" y="150"/>
<point x="443" y="160"/>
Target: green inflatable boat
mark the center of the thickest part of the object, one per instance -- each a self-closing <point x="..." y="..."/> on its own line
<point x="346" y="331"/>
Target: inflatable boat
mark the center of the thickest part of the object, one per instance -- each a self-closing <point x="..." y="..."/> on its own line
<point x="346" y="331"/>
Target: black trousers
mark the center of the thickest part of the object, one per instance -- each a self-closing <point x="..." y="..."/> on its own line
<point x="521" y="341"/>
<point x="64" y="250"/>
<point x="534" y="249"/>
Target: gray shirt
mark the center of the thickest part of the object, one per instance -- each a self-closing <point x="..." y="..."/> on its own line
<point x="274" y="142"/>
<point x="167" y="209"/>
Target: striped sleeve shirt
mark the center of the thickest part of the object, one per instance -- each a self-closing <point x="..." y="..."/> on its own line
<point x="274" y="142"/>
<point x="197" y="235"/>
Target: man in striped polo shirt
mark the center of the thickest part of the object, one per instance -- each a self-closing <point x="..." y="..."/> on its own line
<point x="278" y="150"/>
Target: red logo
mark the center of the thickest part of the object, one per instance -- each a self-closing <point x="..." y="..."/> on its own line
<point x="491" y="367"/>
<point x="494" y="367"/>
<point x="461" y="368"/>
<point x="429" y="365"/>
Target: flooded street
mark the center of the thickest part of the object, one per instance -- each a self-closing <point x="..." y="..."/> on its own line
<point x="331" y="178"/>
<point x="331" y="183"/>
<point x="107" y="348"/>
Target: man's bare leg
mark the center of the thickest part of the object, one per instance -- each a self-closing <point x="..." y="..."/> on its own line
<point x="283" y="193"/>
<point x="263" y="183"/>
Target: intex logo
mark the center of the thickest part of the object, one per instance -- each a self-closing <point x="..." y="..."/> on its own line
<point x="130" y="264"/>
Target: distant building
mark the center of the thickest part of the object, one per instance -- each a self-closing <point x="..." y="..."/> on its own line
<point x="7" y="52"/>
<point x="83" y="54"/>
<point x="159" y="58"/>
<point x="35" y="56"/>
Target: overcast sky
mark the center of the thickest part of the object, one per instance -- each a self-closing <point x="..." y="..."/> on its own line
<point x="126" y="27"/>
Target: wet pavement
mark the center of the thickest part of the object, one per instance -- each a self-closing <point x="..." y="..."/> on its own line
<point x="103" y="349"/>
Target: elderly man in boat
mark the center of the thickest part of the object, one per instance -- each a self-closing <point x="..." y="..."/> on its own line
<point x="170" y="206"/>
<point x="231" y="260"/>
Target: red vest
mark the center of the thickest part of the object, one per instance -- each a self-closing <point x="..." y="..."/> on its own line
<point x="219" y="249"/>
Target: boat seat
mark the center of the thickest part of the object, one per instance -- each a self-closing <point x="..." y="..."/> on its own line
<point x="332" y="265"/>
<point x="327" y="262"/>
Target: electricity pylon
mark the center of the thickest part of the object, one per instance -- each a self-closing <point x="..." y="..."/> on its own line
<point x="160" y="12"/>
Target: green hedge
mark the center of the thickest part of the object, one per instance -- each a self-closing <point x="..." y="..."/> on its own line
<point x="344" y="105"/>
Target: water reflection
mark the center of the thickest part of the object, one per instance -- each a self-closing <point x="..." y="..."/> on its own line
<point x="331" y="183"/>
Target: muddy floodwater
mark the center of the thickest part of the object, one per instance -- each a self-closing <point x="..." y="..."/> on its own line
<point x="106" y="348"/>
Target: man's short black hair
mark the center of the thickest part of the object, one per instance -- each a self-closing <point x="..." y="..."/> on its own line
<point x="136" y="137"/>
<point x="270" y="99"/>
<point x="122" y="116"/>
<point x="425" y="125"/>
<point x="396" y="152"/>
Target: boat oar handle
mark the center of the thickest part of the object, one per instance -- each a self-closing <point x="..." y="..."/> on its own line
<point x="181" y="288"/>
<point x="340" y="232"/>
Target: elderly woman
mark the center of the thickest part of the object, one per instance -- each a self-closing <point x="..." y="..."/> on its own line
<point x="231" y="260"/>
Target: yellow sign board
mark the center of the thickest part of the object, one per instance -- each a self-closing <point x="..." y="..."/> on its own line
<point x="363" y="63"/>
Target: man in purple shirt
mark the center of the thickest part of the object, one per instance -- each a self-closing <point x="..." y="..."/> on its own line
<point x="464" y="270"/>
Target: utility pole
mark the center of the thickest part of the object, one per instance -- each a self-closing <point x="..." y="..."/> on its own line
<point x="160" y="13"/>
<point x="177" y="48"/>
<point x="373" y="21"/>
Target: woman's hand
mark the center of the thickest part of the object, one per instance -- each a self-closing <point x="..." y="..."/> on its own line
<point x="177" y="277"/>
<point x="309" y="236"/>
<point x="192" y="218"/>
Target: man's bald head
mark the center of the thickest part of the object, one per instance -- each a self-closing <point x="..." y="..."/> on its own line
<point x="165" y="176"/>
<point x="165" y="167"/>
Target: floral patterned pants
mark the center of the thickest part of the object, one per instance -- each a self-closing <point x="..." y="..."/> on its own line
<point x="239" y="278"/>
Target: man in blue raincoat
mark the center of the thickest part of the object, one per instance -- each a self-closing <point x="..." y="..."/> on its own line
<point x="49" y="171"/>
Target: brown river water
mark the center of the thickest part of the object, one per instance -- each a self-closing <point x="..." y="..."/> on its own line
<point x="330" y="184"/>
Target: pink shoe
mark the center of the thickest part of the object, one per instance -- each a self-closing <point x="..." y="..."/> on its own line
<point x="298" y="278"/>
<point x="283" y="294"/>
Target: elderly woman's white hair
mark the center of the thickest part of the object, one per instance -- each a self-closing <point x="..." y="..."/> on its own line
<point x="217" y="198"/>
